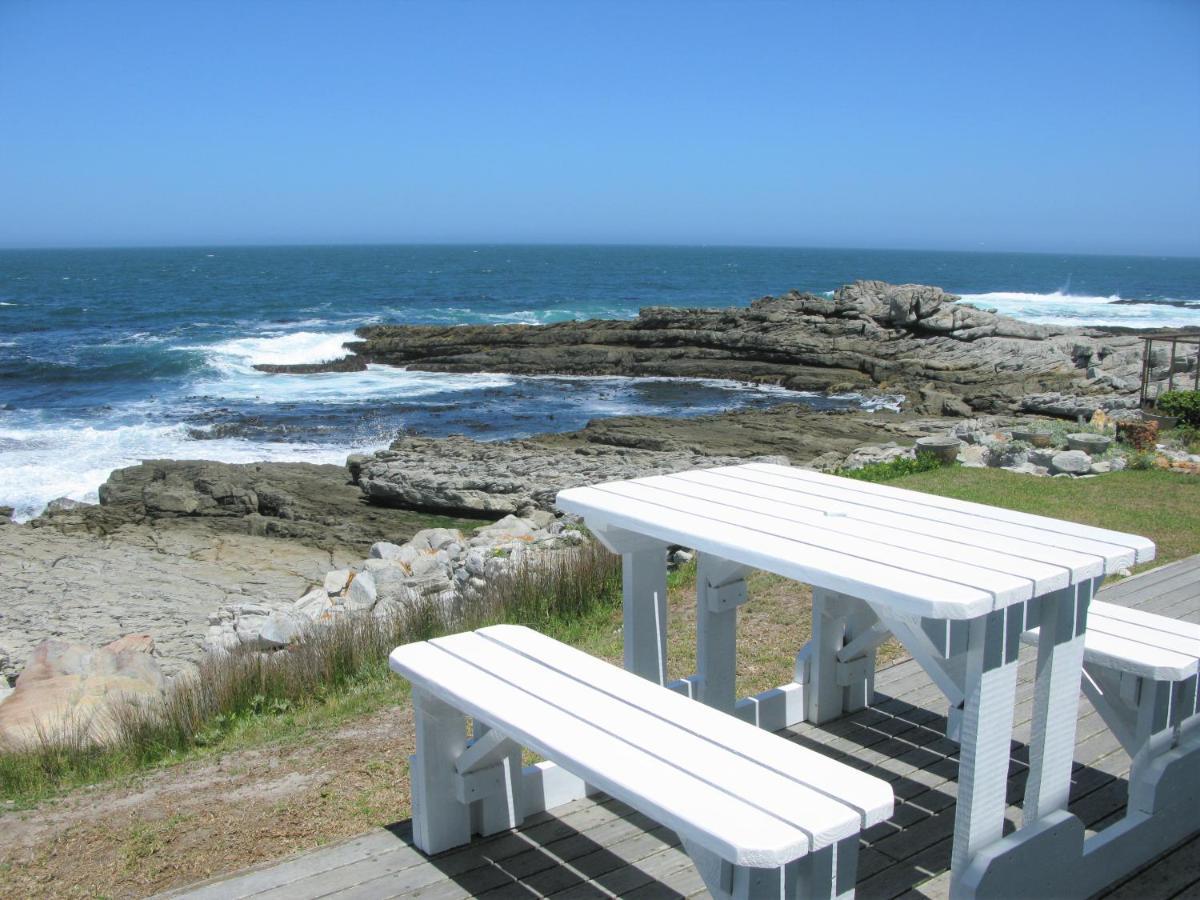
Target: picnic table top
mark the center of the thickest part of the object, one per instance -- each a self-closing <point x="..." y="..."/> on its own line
<point x="921" y="554"/>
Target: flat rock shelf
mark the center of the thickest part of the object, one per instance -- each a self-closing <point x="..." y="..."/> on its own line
<point x="600" y="848"/>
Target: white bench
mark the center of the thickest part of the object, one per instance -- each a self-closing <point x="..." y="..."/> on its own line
<point x="757" y="813"/>
<point x="1140" y="672"/>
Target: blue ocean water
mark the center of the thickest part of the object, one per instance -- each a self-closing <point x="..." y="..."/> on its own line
<point x="111" y="356"/>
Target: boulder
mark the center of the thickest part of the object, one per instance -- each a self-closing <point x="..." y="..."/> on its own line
<point x="361" y="594"/>
<point x="282" y="628"/>
<point x="337" y="581"/>
<point x="313" y="605"/>
<point x="6" y="515"/>
<point x="1070" y="462"/>
<point x="69" y="690"/>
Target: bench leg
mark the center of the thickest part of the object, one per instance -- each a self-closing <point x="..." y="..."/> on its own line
<point x="440" y="820"/>
<point x="828" y="873"/>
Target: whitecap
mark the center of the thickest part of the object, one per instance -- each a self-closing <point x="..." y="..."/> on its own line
<point x="40" y="462"/>
<point x="1059" y="308"/>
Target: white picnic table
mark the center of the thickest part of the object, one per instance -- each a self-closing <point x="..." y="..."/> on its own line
<point x="957" y="583"/>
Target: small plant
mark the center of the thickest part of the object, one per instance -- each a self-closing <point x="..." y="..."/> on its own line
<point x="893" y="468"/>
<point x="1140" y="459"/>
<point x="1184" y="404"/>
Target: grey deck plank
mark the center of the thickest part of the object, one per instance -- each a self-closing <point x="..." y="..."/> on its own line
<point x="600" y="848"/>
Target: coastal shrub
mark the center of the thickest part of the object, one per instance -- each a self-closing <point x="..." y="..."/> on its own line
<point x="893" y="468"/>
<point x="1184" y="404"/>
<point x="331" y="661"/>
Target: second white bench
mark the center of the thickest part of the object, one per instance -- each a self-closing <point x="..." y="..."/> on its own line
<point x="759" y="815"/>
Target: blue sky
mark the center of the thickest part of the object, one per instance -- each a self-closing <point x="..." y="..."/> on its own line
<point x="1057" y="126"/>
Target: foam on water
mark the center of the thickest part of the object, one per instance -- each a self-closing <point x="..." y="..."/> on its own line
<point x="1059" y="308"/>
<point x="40" y="463"/>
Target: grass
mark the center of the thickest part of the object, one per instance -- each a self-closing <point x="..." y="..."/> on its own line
<point x="1162" y="506"/>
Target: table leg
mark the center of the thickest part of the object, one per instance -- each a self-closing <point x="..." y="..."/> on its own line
<point x="987" y="720"/>
<point x="1062" y="621"/>
<point x="644" y="588"/>
<point x="720" y="590"/>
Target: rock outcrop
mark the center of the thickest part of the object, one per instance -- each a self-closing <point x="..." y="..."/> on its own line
<point x="949" y="358"/>
<point x="460" y="474"/>
<point x="438" y="570"/>
<point x="70" y="689"/>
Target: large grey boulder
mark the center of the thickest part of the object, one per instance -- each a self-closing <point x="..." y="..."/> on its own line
<point x="1071" y="462"/>
<point x="361" y="593"/>
<point x="282" y="628"/>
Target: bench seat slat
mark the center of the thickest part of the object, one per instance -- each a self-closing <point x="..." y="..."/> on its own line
<point x="954" y="562"/>
<point x="867" y="795"/>
<point x="1141" y="634"/>
<point x="1167" y="625"/>
<point x="1125" y="655"/>
<point x="735" y="830"/>
<point x="824" y="819"/>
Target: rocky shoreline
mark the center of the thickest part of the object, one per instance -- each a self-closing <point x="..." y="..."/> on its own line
<point x="206" y="556"/>
<point x="947" y="357"/>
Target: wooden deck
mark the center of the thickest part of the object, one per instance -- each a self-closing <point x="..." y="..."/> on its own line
<point x="600" y="848"/>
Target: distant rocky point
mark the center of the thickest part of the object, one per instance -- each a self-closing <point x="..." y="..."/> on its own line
<point x="946" y="356"/>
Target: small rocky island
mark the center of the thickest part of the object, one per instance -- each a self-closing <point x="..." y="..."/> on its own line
<point x="947" y="357"/>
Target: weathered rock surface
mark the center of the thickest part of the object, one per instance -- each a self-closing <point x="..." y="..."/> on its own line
<point x="311" y="504"/>
<point x="948" y="357"/>
<point x="1070" y="462"/>
<point x="504" y="477"/>
<point x="69" y="688"/>
<point x="160" y="580"/>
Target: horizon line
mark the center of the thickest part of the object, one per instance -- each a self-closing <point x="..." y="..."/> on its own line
<point x="6" y="248"/>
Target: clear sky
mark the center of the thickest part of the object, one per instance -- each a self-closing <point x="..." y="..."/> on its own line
<point x="1063" y="126"/>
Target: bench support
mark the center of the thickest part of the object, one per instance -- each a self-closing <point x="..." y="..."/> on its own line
<point x="1164" y="809"/>
<point x="462" y="788"/>
<point x="720" y="590"/>
<point x="841" y="658"/>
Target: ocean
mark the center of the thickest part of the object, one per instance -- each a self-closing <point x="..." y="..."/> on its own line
<point x="112" y="356"/>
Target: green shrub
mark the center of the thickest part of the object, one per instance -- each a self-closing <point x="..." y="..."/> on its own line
<point x="1184" y="404"/>
<point x="893" y="468"/>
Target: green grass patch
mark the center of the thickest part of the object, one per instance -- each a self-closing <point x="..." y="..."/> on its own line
<point x="1162" y="506"/>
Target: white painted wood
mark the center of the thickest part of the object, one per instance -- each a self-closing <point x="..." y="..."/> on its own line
<point x="440" y="820"/>
<point x="547" y="785"/>
<point x="1144" y="644"/>
<point x="699" y="487"/>
<point x="1055" y="700"/>
<point x="855" y="576"/>
<point x="644" y="584"/>
<point x="733" y="828"/>
<point x="1143" y="547"/>
<point x="782" y="795"/>
<point x="867" y="794"/>
<point x="816" y="530"/>
<point x="1079" y="565"/>
<point x="718" y="587"/>
<point x="987" y="718"/>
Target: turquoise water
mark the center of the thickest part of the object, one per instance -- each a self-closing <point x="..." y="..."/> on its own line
<point x="110" y="356"/>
